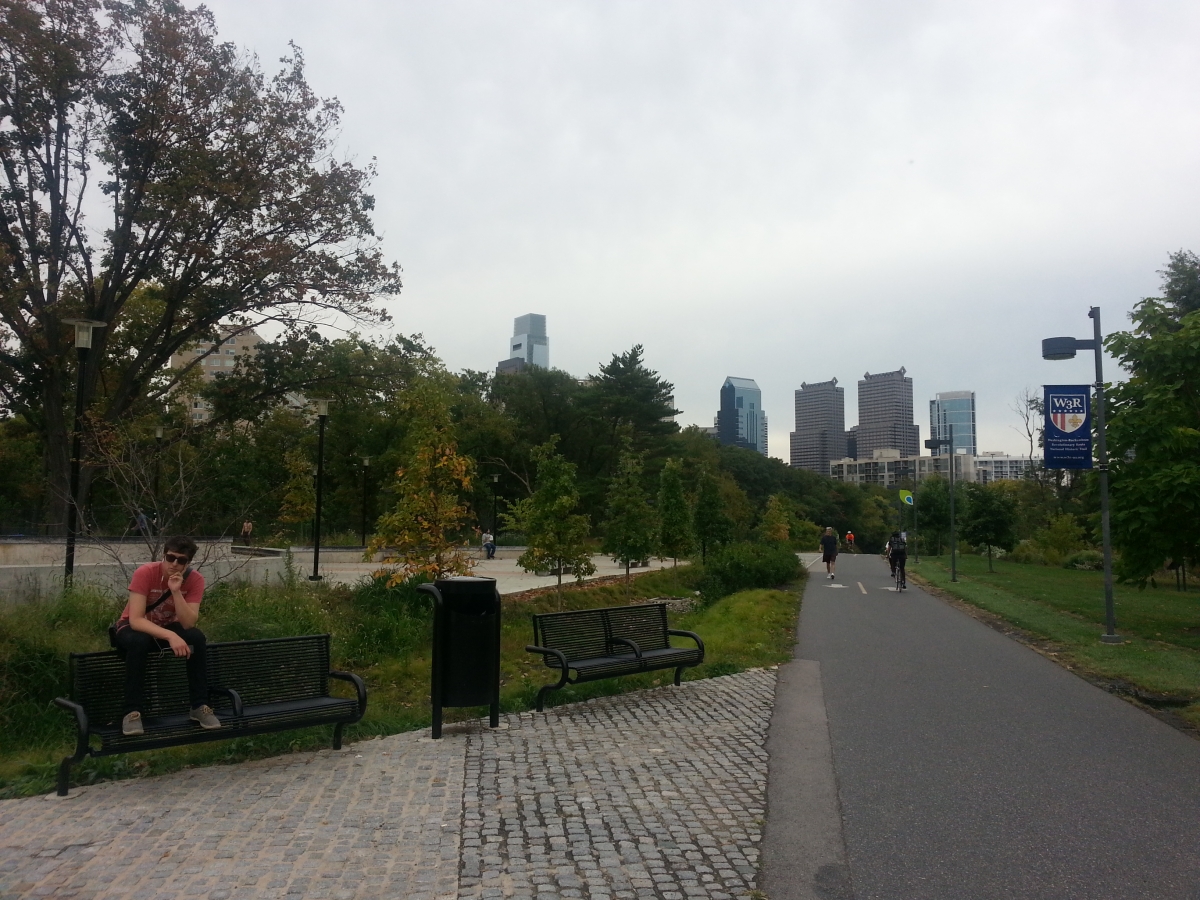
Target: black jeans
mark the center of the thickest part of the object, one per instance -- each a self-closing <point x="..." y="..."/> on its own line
<point x="137" y="646"/>
<point x="899" y="560"/>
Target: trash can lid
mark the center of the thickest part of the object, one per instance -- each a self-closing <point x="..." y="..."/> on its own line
<point x="466" y="579"/>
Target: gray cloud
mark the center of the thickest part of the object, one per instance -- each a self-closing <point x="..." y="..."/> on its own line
<point x="780" y="191"/>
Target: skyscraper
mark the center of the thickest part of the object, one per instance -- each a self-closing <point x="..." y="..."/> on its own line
<point x="820" y="434"/>
<point x="885" y="415"/>
<point x="529" y="341"/>
<point x="741" y="420"/>
<point x="956" y="408"/>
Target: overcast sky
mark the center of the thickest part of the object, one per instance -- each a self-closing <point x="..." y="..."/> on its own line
<point x="787" y="192"/>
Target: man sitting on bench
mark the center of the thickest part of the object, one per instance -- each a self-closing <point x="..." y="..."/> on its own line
<point x="161" y="615"/>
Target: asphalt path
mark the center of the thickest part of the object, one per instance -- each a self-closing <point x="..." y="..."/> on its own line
<point x="968" y="766"/>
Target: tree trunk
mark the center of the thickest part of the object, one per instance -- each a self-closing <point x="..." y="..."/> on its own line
<point x="990" y="569"/>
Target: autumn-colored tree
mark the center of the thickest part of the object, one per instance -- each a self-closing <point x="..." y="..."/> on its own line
<point x="423" y="532"/>
<point x="299" y="492"/>
<point x="776" y="521"/>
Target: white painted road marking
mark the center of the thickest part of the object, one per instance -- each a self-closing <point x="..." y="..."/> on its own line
<point x="861" y="588"/>
<point x="835" y="585"/>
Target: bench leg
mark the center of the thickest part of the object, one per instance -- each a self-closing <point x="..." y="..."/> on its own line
<point x="541" y="697"/>
<point x="337" y="736"/>
<point x="678" y="672"/>
<point x="64" y="775"/>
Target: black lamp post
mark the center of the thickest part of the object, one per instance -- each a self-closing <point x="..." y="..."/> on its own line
<point x="1064" y="348"/>
<point x="948" y="443"/>
<point x="322" y="415"/>
<point x="83" y="343"/>
<point x="158" y="436"/>
<point x="366" y="461"/>
<point x="495" y="523"/>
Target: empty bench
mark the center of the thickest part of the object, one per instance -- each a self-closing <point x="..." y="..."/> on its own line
<point x="254" y="687"/>
<point x="590" y="644"/>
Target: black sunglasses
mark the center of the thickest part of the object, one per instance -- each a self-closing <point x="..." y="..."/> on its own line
<point x="176" y="558"/>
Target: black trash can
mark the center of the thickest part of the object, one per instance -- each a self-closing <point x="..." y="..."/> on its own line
<point x="466" y="646"/>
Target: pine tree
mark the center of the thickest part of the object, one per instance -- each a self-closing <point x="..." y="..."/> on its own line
<point x="675" y="535"/>
<point x="556" y="535"/>
<point x="631" y="526"/>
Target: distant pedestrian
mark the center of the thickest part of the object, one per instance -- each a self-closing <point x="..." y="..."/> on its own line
<point x="489" y="545"/>
<point x="829" y="551"/>
<point x="247" y="530"/>
<point x="850" y="539"/>
<point x="143" y="524"/>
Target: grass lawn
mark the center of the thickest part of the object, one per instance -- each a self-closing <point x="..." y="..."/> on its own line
<point x="745" y="630"/>
<point x="1159" y="663"/>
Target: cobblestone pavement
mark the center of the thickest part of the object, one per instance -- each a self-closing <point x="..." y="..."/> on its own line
<point x="652" y="794"/>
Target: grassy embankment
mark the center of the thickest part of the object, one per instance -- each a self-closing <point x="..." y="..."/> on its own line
<point x="1159" y="662"/>
<point x="383" y="635"/>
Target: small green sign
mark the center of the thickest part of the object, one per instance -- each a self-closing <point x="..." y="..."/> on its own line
<point x="907" y="497"/>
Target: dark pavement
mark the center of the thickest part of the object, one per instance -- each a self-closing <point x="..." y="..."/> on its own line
<point x="968" y="766"/>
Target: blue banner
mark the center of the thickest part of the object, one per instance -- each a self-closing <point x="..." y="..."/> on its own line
<point x="1068" y="426"/>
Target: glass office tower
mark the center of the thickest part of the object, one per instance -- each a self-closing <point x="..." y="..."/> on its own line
<point x="741" y="420"/>
<point x="955" y="408"/>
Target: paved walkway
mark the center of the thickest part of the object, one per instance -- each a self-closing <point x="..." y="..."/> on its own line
<point x="966" y="765"/>
<point x="656" y="794"/>
<point x="510" y="577"/>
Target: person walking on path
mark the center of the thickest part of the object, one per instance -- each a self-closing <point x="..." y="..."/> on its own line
<point x="247" y="530"/>
<point x="829" y="551"/>
<point x="163" y="608"/>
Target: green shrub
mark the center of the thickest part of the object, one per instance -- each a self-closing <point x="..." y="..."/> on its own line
<point x="387" y="621"/>
<point x="1028" y="552"/>
<point x="1089" y="560"/>
<point x="739" y="567"/>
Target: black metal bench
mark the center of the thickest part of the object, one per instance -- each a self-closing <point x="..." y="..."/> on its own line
<point x="607" y="642"/>
<point x="254" y="687"/>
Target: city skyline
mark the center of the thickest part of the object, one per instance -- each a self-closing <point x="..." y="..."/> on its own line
<point x="834" y="185"/>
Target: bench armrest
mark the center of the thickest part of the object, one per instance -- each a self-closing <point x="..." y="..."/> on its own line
<point x="81" y="723"/>
<point x="688" y="634"/>
<point x="235" y="699"/>
<point x="360" y="688"/>
<point x="549" y="651"/>
<point x="637" y="651"/>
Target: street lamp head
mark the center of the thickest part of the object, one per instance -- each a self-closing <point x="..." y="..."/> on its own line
<point x="322" y="408"/>
<point x="158" y="432"/>
<point x="366" y="461"/>
<point x="83" y="331"/>
<point x="1059" y="348"/>
<point x="495" y="479"/>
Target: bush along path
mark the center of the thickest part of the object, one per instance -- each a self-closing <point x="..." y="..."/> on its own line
<point x="1060" y="613"/>
<point x="380" y="633"/>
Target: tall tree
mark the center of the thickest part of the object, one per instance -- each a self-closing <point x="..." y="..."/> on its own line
<point x="219" y="195"/>
<point x="990" y="518"/>
<point x="675" y="535"/>
<point x="556" y="535"/>
<point x="1154" y="440"/>
<point x="631" y="525"/>
<point x="712" y="526"/>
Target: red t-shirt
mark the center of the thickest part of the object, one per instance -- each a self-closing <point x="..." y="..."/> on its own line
<point x="151" y="582"/>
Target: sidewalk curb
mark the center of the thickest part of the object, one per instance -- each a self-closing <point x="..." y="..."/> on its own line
<point x="804" y="850"/>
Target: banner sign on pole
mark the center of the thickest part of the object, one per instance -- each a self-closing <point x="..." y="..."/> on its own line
<point x="1068" y="426"/>
<point x="906" y="497"/>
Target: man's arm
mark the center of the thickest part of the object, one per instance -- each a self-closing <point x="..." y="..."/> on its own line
<point x="139" y="622"/>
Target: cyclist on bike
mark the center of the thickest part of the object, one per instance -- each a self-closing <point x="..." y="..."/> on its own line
<point x="897" y="556"/>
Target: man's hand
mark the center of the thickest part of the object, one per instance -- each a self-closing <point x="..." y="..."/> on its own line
<point x="179" y="646"/>
<point x="175" y="583"/>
